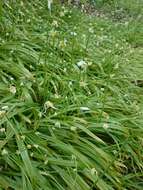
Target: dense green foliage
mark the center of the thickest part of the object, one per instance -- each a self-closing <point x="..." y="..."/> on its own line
<point x="71" y="109"/>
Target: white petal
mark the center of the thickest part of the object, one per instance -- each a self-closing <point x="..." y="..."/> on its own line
<point x="84" y="109"/>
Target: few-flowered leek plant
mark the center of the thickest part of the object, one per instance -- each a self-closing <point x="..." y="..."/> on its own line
<point x="71" y="107"/>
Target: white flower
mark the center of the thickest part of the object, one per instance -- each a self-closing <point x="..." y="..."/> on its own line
<point x="115" y="152"/>
<point x="53" y="33"/>
<point x="63" y="43"/>
<point x="2" y="113"/>
<point x="57" y="124"/>
<point x="55" y="23"/>
<point x="46" y="162"/>
<point x="56" y="96"/>
<point x="12" y="89"/>
<point x="55" y="114"/>
<point x="37" y="133"/>
<point x="82" y="84"/>
<point x="40" y="114"/>
<point x="44" y="173"/>
<point x="112" y="75"/>
<point x="11" y="78"/>
<point x="73" y="157"/>
<point x="82" y="6"/>
<point x="84" y="36"/>
<point x="22" y="137"/>
<point x="22" y="84"/>
<point x="73" y="128"/>
<point x="73" y="33"/>
<point x="126" y="23"/>
<point x="62" y="14"/>
<point x="4" y="152"/>
<point x="91" y="30"/>
<point x="65" y="70"/>
<point x="102" y="89"/>
<point x="82" y="64"/>
<point x="116" y="45"/>
<point x="63" y="7"/>
<point x="105" y="126"/>
<point x="36" y="145"/>
<point x="28" y="21"/>
<point x="21" y="3"/>
<point x="29" y="146"/>
<point x="70" y="83"/>
<point x="17" y="152"/>
<point x="31" y="154"/>
<point x="89" y="63"/>
<point x="84" y="109"/>
<point x="48" y="105"/>
<point x="5" y="108"/>
<point x="49" y="4"/>
<point x="93" y="171"/>
<point x="116" y="66"/>
<point x="106" y="115"/>
<point x="2" y="130"/>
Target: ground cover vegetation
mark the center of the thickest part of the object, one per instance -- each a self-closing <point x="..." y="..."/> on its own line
<point x="71" y="96"/>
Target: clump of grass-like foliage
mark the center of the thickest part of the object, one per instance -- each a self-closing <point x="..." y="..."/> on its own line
<point x="70" y="106"/>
